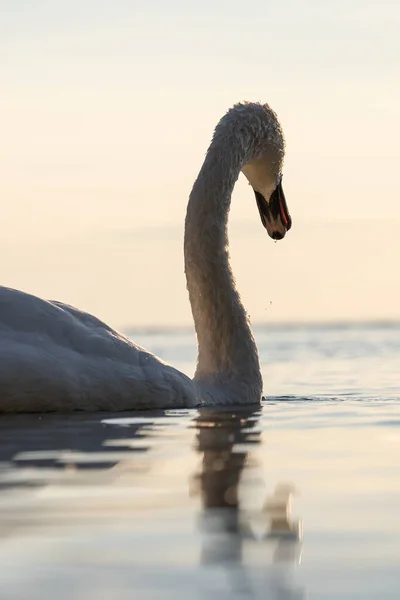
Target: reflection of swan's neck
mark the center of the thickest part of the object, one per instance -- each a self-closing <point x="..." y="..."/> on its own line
<point x="227" y="351"/>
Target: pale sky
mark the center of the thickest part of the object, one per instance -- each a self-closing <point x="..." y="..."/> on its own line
<point x="106" y="111"/>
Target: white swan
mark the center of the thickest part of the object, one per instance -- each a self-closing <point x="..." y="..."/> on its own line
<point x="54" y="357"/>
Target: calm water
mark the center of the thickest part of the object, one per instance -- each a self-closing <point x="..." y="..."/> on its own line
<point x="184" y="505"/>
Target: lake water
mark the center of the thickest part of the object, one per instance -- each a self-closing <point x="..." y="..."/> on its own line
<point x="193" y="504"/>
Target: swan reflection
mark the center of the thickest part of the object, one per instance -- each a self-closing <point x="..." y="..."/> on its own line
<point x="236" y="537"/>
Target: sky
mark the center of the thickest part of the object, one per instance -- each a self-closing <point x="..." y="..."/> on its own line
<point x="107" y="109"/>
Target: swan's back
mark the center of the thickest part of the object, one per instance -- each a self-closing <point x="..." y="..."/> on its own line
<point x="54" y="357"/>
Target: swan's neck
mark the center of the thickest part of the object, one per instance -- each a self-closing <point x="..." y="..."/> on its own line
<point x="227" y="351"/>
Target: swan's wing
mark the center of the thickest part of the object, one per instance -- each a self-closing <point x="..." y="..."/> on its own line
<point x="55" y="357"/>
<point x="85" y="318"/>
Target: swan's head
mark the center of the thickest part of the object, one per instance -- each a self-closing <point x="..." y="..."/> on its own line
<point x="259" y="138"/>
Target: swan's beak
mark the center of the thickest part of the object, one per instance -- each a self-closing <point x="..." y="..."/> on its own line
<point x="274" y="213"/>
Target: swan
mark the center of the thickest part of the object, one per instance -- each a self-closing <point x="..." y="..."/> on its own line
<point x="54" y="357"/>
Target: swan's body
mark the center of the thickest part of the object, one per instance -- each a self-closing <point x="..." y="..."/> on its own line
<point x="56" y="358"/>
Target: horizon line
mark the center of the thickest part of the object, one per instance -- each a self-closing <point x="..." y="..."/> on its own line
<point x="337" y="324"/>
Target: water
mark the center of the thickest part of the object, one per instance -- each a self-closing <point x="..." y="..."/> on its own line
<point x="175" y="504"/>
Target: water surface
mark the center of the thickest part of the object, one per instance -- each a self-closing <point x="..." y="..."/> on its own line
<point x="177" y="504"/>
